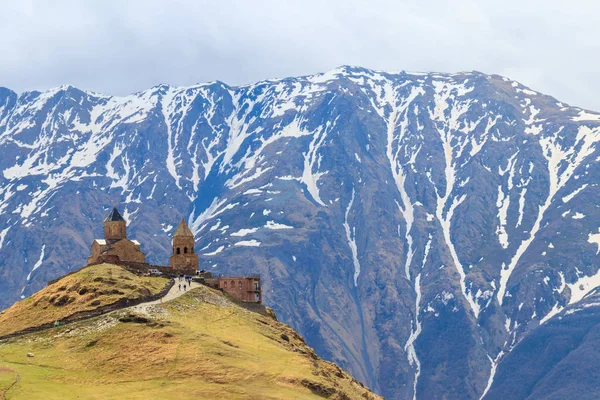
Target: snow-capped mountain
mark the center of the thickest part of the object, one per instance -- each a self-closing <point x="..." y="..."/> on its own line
<point x="414" y="227"/>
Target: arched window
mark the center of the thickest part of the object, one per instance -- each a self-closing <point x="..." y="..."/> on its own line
<point x="225" y="284"/>
<point x="178" y="250"/>
<point x="185" y="250"/>
<point x="240" y="285"/>
<point x="232" y="284"/>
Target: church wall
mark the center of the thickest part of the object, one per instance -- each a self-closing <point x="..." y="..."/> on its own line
<point x="126" y="250"/>
<point x="96" y="251"/>
<point x="187" y="263"/>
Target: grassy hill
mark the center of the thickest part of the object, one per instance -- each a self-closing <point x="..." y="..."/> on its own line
<point x="200" y="345"/>
<point x="84" y="290"/>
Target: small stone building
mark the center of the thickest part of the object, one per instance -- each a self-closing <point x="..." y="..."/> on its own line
<point x="116" y="246"/>
<point x="184" y="259"/>
<point x="246" y="289"/>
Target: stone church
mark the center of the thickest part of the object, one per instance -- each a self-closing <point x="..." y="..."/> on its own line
<point x="116" y="246"/>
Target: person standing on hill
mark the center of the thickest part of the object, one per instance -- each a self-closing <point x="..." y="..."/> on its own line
<point x="180" y="287"/>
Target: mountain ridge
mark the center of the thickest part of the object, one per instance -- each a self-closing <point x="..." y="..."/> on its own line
<point x="342" y="69"/>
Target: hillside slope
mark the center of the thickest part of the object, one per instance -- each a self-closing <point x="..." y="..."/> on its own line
<point x="86" y="290"/>
<point x="413" y="227"/>
<point x="200" y="345"/>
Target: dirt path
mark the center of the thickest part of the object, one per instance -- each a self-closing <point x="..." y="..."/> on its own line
<point x="172" y="294"/>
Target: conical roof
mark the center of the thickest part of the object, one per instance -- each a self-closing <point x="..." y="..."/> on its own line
<point x="114" y="216"/>
<point x="183" y="230"/>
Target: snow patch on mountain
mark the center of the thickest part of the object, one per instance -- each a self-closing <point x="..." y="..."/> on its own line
<point x="248" y="243"/>
<point x="38" y="263"/>
<point x="583" y="286"/>
<point x="351" y="238"/>
<point x="244" y="232"/>
<point x="275" y="225"/>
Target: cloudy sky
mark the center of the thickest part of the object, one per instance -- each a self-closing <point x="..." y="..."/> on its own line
<point x="118" y="47"/>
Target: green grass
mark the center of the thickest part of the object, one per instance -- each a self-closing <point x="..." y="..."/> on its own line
<point x="199" y="346"/>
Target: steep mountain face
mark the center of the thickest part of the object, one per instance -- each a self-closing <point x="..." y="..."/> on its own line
<point x="414" y="227"/>
<point x="559" y="360"/>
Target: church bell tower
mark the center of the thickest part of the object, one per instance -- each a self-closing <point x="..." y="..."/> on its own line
<point x="184" y="258"/>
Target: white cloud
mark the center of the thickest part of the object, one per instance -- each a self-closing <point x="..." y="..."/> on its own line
<point x="120" y="47"/>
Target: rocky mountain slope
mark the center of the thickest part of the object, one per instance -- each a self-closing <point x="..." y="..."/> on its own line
<point x="413" y="227"/>
<point x="199" y="345"/>
<point x="559" y="360"/>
